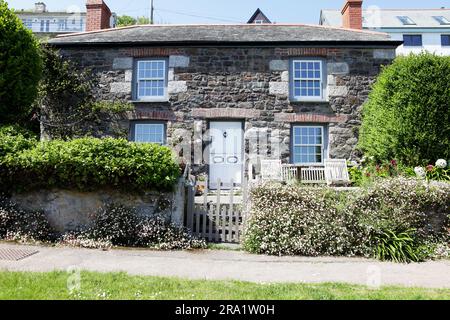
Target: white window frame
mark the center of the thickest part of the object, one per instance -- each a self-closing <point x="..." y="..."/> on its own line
<point x="164" y="97"/>
<point x="292" y="85"/>
<point x="322" y="145"/>
<point x="136" y="125"/>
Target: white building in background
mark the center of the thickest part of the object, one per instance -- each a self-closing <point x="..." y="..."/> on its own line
<point x="45" y="23"/>
<point x="419" y="29"/>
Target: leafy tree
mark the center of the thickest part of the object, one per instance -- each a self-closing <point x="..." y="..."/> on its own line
<point x="20" y="68"/>
<point x="143" y="20"/>
<point x="123" y="21"/>
<point x="407" y="116"/>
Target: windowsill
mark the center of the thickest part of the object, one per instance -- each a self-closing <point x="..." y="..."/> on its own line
<point x="150" y="101"/>
<point x="309" y="101"/>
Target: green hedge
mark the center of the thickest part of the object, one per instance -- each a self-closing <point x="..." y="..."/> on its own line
<point x="407" y="116"/>
<point x="293" y="220"/>
<point x="88" y="164"/>
<point x="14" y="139"/>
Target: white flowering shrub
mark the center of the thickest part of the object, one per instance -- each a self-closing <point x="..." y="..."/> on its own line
<point x="111" y="226"/>
<point x="119" y="226"/>
<point x="402" y="203"/>
<point x="288" y="220"/>
<point x="21" y="225"/>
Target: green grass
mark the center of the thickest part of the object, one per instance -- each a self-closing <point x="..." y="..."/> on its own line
<point x="53" y="285"/>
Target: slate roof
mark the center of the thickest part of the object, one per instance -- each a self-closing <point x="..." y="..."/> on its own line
<point x="264" y="34"/>
<point x="387" y="18"/>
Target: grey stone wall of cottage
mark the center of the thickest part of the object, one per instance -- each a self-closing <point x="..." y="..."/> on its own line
<point x="245" y="83"/>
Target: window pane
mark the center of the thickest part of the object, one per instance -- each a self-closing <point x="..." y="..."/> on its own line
<point x="445" y="39"/>
<point x="307" y="144"/>
<point x="150" y="133"/>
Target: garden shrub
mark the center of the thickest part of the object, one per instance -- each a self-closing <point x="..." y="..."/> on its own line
<point x="111" y="226"/>
<point x="14" y="139"/>
<point x="401" y="204"/>
<point x="407" y="116"/>
<point x="288" y="220"/>
<point x="20" y="68"/>
<point x="89" y="164"/>
<point x="22" y="225"/>
<point x="119" y="226"/>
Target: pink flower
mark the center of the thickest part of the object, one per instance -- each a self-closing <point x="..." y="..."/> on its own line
<point x="430" y="167"/>
<point x="393" y="163"/>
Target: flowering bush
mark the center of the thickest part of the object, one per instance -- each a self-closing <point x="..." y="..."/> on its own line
<point x="21" y="225"/>
<point x="438" y="172"/>
<point x="111" y="226"/>
<point x="294" y="220"/>
<point x="120" y="226"/>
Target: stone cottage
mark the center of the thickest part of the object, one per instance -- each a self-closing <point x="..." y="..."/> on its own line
<point x="220" y="94"/>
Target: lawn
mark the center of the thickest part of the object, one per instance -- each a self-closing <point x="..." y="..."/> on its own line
<point x="54" y="285"/>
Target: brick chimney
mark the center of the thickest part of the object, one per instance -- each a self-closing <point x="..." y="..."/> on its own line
<point x="352" y="14"/>
<point x="98" y="15"/>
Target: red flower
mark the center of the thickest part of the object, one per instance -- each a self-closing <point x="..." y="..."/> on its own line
<point x="367" y="174"/>
<point x="393" y="163"/>
<point x="430" y="167"/>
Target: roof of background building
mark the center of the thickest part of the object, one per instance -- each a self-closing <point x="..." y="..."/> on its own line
<point x="224" y="35"/>
<point x="387" y="18"/>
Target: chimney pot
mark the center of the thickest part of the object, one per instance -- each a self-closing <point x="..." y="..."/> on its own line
<point x="352" y="14"/>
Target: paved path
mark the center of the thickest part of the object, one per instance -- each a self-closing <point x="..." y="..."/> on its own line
<point x="224" y="264"/>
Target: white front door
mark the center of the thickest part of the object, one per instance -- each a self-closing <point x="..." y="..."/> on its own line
<point x="225" y="153"/>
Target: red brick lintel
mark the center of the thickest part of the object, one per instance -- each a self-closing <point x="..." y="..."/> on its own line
<point x="306" y="52"/>
<point x="153" y="115"/>
<point x="310" y="117"/>
<point x="225" y="113"/>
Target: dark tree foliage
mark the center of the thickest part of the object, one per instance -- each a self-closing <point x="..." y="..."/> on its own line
<point x="20" y="68"/>
<point x="65" y="96"/>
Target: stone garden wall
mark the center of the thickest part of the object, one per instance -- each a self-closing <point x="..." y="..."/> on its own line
<point x="69" y="210"/>
<point x="251" y="84"/>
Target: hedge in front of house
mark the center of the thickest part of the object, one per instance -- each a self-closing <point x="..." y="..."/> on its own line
<point x="88" y="164"/>
<point x="293" y="220"/>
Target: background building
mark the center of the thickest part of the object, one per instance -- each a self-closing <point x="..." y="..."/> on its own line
<point x="419" y="29"/>
<point x="46" y="23"/>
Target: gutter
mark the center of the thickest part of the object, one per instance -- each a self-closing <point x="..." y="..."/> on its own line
<point x="337" y="44"/>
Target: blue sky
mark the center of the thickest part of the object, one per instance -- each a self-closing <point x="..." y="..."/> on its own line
<point x="228" y="11"/>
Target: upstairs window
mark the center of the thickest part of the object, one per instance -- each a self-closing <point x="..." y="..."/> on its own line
<point x="412" y="40"/>
<point x="442" y="20"/>
<point x="307" y="80"/>
<point x="151" y="79"/>
<point x="405" y="20"/>
<point x="445" y="40"/>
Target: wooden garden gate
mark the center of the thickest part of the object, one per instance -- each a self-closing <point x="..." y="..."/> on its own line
<point x="217" y="216"/>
